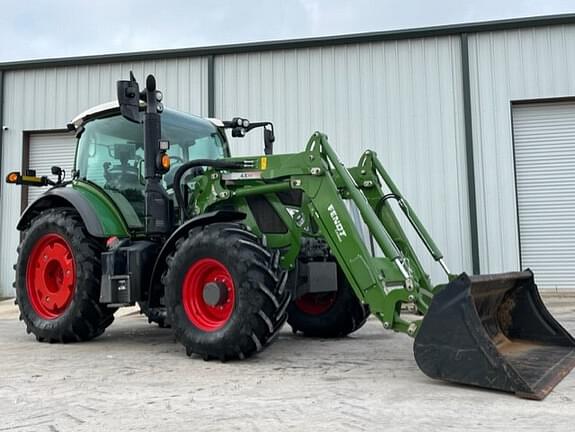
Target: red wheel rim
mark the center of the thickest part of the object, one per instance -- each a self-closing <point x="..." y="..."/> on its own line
<point x="51" y="276"/>
<point x="316" y="303"/>
<point x="203" y="315"/>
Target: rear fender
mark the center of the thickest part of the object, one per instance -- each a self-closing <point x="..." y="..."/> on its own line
<point x="100" y="218"/>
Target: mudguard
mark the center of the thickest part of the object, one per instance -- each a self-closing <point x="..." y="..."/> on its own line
<point x="181" y="231"/>
<point x="99" y="215"/>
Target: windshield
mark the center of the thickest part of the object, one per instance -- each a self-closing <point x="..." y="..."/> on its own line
<point x="111" y="153"/>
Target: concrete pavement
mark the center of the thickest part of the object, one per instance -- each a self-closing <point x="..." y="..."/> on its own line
<point x="135" y="378"/>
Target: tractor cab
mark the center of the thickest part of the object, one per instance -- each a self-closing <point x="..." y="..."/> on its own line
<point x="110" y="153"/>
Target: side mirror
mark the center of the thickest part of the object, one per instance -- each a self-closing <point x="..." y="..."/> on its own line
<point x="269" y="139"/>
<point x="129" y="99"/>
<point x="57" y="171"/>
<point x="241" y="126"/>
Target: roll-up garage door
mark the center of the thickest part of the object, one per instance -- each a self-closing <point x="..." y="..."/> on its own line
<point x="544" y="142"/>
<point x="47" y="150"/>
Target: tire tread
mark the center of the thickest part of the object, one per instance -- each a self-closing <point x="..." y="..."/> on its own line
<point x="86" y="318"/>
<point x="266" y="300"/>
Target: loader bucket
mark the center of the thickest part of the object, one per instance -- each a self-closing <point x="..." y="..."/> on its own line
<point x="493" y="331"/>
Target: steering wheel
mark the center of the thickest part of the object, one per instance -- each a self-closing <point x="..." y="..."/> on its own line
<point x="177" y="159"/>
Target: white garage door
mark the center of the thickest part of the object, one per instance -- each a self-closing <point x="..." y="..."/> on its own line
<point x="47" y="150"/>
<point x="544" y="137"/>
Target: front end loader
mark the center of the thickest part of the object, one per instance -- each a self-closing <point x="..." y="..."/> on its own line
<point x="225" y="249"/>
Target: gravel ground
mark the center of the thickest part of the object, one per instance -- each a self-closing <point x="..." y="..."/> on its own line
<point x="136" y="378"/>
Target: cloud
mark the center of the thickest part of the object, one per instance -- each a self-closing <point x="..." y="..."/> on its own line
<point x="45" y="28"/>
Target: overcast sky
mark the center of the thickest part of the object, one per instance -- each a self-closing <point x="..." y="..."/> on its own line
<point x="60" y="28"/>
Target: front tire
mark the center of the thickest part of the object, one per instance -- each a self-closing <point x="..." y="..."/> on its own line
<point x="58" y="276"/>
<point x="225" y="294"/>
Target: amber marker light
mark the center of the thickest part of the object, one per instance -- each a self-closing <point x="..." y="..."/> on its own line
<point x="12" y="177"/>
<point x="165" y="161"/>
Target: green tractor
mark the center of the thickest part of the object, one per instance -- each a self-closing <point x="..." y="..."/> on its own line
<point x="225" y="250"/>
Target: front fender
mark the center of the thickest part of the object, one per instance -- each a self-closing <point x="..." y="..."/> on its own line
<point x="98" y="213"/>
<point x="168" y="246"/>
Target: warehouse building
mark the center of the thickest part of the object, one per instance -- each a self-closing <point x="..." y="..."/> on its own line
<point x="475" y="122"/>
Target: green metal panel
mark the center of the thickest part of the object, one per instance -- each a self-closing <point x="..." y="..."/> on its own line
<point x="111" y="218"/>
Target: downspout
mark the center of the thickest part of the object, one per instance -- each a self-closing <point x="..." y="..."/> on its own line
<point x="211" y="87"/>
<point x="469" y="153"/>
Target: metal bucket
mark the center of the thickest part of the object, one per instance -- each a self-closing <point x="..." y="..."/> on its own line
<point x="493" y="331"/>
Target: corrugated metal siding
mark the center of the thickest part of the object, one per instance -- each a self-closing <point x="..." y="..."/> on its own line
<point x="47" y="150"/>
<point x="544" y="137"/>
<point x="48" y="98"/>
<point x="401" y="98"/>
<point x="505" y="66"/>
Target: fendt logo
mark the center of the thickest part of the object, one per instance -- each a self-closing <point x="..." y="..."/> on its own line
<point x="339" y="230"/>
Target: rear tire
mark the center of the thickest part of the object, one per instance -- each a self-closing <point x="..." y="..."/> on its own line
<point x="328" y="315"/>
<point x="251" y="300"/>
<point x="58" y="276"/>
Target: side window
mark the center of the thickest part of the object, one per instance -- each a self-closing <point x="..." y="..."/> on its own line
<point x="109" y="154"/>
<point x="176" y="152"/>
<point x="109" y="147"/>
<point x="109" y="158"/>
<point x="208" y="147"/>
<point x="97" y="156"/>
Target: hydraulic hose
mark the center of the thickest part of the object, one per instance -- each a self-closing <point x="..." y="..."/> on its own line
<point x="382" y="201"/>
<point x="193" y="164"/>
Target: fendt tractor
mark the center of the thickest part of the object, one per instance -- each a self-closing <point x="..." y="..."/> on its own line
<point x="224" y="250"/>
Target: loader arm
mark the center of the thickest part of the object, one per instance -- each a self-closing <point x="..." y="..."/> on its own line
<point x="382" y="282"/>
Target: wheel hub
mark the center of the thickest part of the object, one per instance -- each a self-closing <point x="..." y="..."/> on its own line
<point x="215" y="293"/>
<point x="208" y="294"/>
<point x="51" y="276"/>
